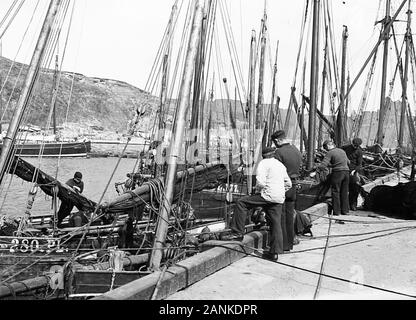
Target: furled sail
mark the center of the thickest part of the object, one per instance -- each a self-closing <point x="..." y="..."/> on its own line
<point x="201" y="177"/>
<point x="47" y="183"/>
<point x="196" y="179"/>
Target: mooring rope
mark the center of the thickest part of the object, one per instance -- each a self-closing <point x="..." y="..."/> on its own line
<point x="318" y="286"/>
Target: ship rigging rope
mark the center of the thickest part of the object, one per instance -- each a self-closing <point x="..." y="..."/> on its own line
<point x="12" y="18"/>
<point x="361" y="234"/>
<point x="69" y="236"/>
<point x="358" y="121"/>
<point x="102" y="195"/>
<point x="301" y="37"/>
<point x="388" y="103"/>
<point x="208" y="54"/>
<point x="168" y="263"/>
<point x="321" y="272"/>
<point x="359" y="222"/>
<point x="155" y="211"/>
<point x="6" y="16"/>
<point x="164" y="45"/>
<point x="144" y="237"/>
<point x="232" y="48"/>
<point x="177" y="64"/>
<point x="9" y="165"/>
<point x="207" y="43"/>
<point x="69" y="101"/>
<point x="190" y="201"/>
<point x="58" y="80"/>
<point x="329" y="14"/>
<point x="14" y="153"/>
<point x="184" y="180"/>
<point x="27" y="114"/>
<point x="14" y="62"/>
<point x="394" y="231"/>
<point x="300" y="99"/>
<point x="310" y="271"/>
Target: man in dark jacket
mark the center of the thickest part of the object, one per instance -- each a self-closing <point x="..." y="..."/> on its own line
<point x="291" y="157"/>
<point x="355" y="155"/>
<point x="66" y="207"/>
<point x="336" y="159"/>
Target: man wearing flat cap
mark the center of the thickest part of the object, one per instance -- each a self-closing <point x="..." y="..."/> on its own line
<point x="336" y="159"/>
<point x="355" y="155"/>
<point x="291" y="158"/>
<point x="272" y="184"/>
<point x="66" y="207"/>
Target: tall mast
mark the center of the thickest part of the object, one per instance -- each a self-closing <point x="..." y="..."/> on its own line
<point x="370" y="129"/>
<point x="386" y="33"/>
<point x="301" y="113"/>
<point x="1" y="103"/>
<point x="164" y="95"/>
<point x="8" y="141"/>
<point x="178" y="134"/>
<point x="162" y="113"/>
<point x="55" y="92"/>
<point x="274" y="115"/>
<point x="341" y="120"/>
<point x="259" y="110"/>
<point x="209" y="123"/>
<point x="324" y="75"/>
<point x="405" y="76"/>
<point x="313" y="85"/>
<point x="251" y="112"/>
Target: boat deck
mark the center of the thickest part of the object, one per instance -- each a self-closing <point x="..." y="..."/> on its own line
<point x="382" y="256"/>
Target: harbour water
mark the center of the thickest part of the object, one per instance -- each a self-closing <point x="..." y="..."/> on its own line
<point x="96" y="175"/>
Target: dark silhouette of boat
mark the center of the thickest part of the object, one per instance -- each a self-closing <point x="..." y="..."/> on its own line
<point x="54" y="149"/>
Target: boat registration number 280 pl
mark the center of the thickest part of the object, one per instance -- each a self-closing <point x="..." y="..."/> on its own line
<point x="30" y="245"/>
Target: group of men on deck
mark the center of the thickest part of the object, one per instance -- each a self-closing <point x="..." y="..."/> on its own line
<point x="276" y="189"/>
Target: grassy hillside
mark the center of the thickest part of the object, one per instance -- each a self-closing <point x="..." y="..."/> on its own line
<point x="93" y="101"/>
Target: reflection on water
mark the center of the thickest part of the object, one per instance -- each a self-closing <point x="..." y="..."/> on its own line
<point x="96" y="174"/>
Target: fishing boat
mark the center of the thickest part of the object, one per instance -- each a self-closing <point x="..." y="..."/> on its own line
<point x="163" y="218"/>
<point x="34" y="142"/>
<point x="54" y="149"/>
<point x="308" y="185"/>
<point x="161" y="205"/>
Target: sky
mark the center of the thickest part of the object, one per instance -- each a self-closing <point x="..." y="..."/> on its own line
<point x="118" y="39"/>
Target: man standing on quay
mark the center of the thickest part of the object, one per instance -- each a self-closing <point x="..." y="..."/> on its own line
<point x="355" y="155"/>
<point x="291" y="158"/>
<point x="337" y="160"/>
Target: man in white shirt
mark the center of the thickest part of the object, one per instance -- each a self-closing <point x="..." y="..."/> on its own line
<point x="272" y="184"/>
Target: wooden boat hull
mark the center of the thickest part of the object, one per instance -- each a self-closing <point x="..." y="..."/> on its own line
<point x="36" y="265"/>
<point x="64" y="149"/>
<point x="89" y="283"/>
<point x="212" y="204"/>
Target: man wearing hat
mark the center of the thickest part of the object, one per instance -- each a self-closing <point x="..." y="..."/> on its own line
<point x="272" y="184"/>
<point x="66" y="207"/>
<point x="291" y="158"/>
<point x="355" y="155"/>
<point x="336" y="159"/>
